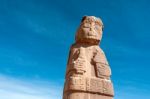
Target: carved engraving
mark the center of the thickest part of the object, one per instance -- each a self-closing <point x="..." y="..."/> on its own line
<point x="107" y="88"/>
<point x="76" y="83"/>
<point x="88" y="84"/>
<point x="88" y="72"/>
<point x="103" y="71"/>
<point x="98" y="85"/>
<point x="77" y="63"/>
<point x="102" y="68"/>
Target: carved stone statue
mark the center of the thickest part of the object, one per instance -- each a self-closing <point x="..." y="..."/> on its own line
<point x="88" y="72"/>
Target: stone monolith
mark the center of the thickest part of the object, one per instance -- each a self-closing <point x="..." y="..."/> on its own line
<point x="88" y="72"/>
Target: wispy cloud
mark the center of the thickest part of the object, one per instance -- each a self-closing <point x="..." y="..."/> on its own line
<point x="13" y="88"/>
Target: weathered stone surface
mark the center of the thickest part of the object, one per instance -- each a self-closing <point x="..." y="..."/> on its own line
<point x="90" y="30"/>
<point x="88" y="72"/>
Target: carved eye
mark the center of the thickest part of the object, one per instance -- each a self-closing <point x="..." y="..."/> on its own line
<point x="97" y="27"/>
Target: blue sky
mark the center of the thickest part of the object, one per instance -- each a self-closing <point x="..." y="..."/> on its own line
<point x="35" y="37"/>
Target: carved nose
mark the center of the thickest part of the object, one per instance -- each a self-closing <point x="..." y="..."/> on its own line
<point x="91" y="28"/>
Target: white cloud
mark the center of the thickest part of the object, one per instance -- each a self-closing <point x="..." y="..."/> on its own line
<point x="16" y="88"/>
<point x="12" y="88"/>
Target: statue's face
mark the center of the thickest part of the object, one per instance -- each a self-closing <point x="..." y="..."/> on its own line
<point x="90" y="28"/>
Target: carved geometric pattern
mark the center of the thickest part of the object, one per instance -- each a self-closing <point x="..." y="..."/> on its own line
<point x="103" y="70"/>
<point x="77" y="63"/>
<point x="76" y="83"/>
<point x="93" y="85"/>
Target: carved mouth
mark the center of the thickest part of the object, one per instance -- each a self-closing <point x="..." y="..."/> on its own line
<point x="91" y="33"/>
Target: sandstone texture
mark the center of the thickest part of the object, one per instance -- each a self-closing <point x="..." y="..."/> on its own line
<point x="88" y="72"/>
